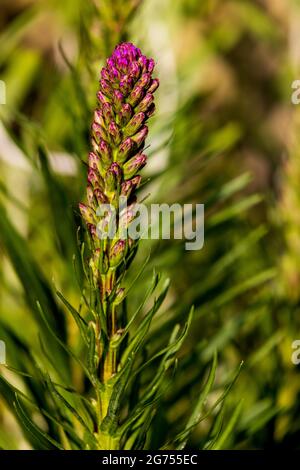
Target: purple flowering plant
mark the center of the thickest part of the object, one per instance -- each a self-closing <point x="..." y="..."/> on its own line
<point x="107" y="392"/>
<point x="119" y="130"/>
<point x="118" y="133"/>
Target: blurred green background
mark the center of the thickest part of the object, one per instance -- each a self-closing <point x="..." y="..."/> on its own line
<point x="225" y="134"/>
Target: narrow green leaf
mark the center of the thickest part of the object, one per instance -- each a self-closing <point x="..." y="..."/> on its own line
<point x="57" y="195"/>
<point x="64" y="345"/>
<point x="221" y="441"/>
<point x="43" y="439"/>
<point x="142" y="330"/>
<point x="196" y="414"/>
<point x="80" y="322"/>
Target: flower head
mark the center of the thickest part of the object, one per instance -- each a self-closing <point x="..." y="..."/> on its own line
<point x="118" y="133"/>
<point x="126" y="63"/>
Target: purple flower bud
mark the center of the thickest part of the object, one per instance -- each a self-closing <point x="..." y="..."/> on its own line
<point x="134" y="165"/>
<point x="105" y="153"/>
<point x="93" y="177"/>
<point x="114" y="133"/>
<point x="143" y="61"/>
<point x="103" y="226"/>
<point x="98" y="132"/>
<point x="150" y="110"/>
<point x="95" y="146"/>
<point x="90" y="195"/>
<point x="98" y="118"/>
<point x="145" y="104"/>
<point x="113" y="178"/>
<point x="107" y="113"/>
<point x="151" y="65"/>
<point x="127" y="216"/>
<point x="118" y="99"/>
<point x="112" y="70"/>
<point x="116" y="170"/>
<point x="125" y="150"/>
<point x="105" y="74"/>
<point x="106" y="88"/>
<point x="129" y="186"/>
<point x="136" y="95"/>
<point x="102" y="98"/>
<point x="92" y="230"/>
<point x="140" y="137"/>
<point x="117" y="253"/>
<point x="126" y="85"/>
<point x="153" y="85"/>
<point x="87" y="213"/>
<point x="93" y="161"/>
<point x="135" y="71"/>
<point x="100" y="196"/>
<point x="134" y="124"/>
<point x="125" y="114"/>
<point x="144" y="81"/>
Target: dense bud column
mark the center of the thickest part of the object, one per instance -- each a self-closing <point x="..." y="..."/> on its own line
<point x="119" y="130"/>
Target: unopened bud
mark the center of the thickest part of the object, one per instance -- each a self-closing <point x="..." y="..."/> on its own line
<point x="144" y="81"/>
<point x="125" y="114"/>
<point x="150" y="110"/>
<point x="90" y="195"/>
<point x="117" y="253"/>
<point x="153" y="85"/>
<point x="107" y="112"/>
<point x="119" y="296"/>
<point x="126" y="85"/>
<point x="150" y="65"/>
<point x="99" y="132"/>
<point x="105" y="153"/>
<point x="118" y="99"/>
<point x="93" y="177"/>
<point x="92" y="230"/>
<point x="106" y="88"/>
<point x="87" y="213"/>
<point x="136" y="95"/>
<point x="134" y="165"/>
<point x="134" y="70"/>
<point x="140" y="137"/>
<point x="130" y="185"/>
<point x="93" y="161"/>
<point x="100" y="196"/>
<point x="134" y="124"/>
<point x="125" y="150"/>
<point x="105" y="74"/>
<point x="114" y="133"/>
<point x="127" y="215"/>
<point x="98" y="118"/>
<point x="113" y="178"/>
<point x="145" y="104"/>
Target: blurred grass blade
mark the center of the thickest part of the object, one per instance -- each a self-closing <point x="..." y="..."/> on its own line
<point x="44" y="441"/>
<point x="57" y="195"/>
<point x="229" y="429"/>
<point x="196" y="414"/>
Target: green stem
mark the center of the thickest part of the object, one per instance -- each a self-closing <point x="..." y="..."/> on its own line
<point x="106" y="441"/>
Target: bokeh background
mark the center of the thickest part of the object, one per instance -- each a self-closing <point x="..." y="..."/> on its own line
<point x="225" y="134"/>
